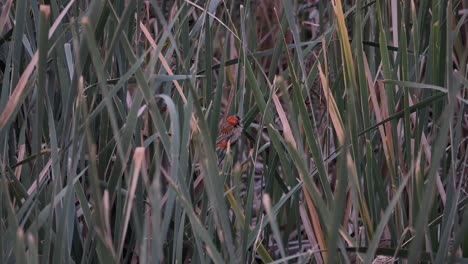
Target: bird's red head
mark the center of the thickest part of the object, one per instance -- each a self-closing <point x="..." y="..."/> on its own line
<point x="233" y="120"/>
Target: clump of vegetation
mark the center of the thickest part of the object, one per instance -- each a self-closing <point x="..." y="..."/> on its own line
<point x="233" y="131"/>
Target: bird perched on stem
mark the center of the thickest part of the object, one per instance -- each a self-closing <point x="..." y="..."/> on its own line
<point x="230" y="131"/>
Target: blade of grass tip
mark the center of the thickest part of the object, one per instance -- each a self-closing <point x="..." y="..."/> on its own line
<point x="309" y="128"/>
<point x="437" y="154"/>
<point x="309" y="231"/>
<point x="415" y="38"/>
<point x="180" y="17"/>
<point x="68" y="218"/>
<point x="83" y="201"/>
<point x="212" y="181"/>
<point x="361" y="74"/>
<point x="275" y="210"/>
<point x="273" y="223"/>
<point x="374" y="243"/>
<point x="175" y="155"/>
<point x="19" y="94"/>
<point x="145" y="90"/>
<point x="247" y="221"/>
<point x="320" y="228"/>
<point x="425" y="86"/>
<point x="208" y="80"/>
<point x="121" y="24"/>
<point x="41" y="178"/>
<point x="349" y="68"/>
<point x="289" y="126"/>
<point x="94" y="12"/>
<point x="18" y="31"/>
<point x="28" y="41"/>
<point x="104" y="249"/>
<point x="378" y="113"/>
<point x="80" y="54"/>
<point x="59" y="64"/>
<point x="197" y="226"/>
<point x="5" y="93"/>
<point x="269" y="52"/>
<point x="41" y="78"/>
<point x="43" y="219"/>
<point x="335" y="116"/>
<point x="5" y="96"/>
<point x="156" y="117"/>
<point x="260" y="248"/>
<point x="338" y="209"/>
<point x="10" y="216"/>
<point x="33" y="256"/>
<point x="405" y="75"/>
<point x="450" y="205"/>
<point x="245" y="50"/>
<point x="99" y="66"/>
<point x="179" y="238"/>
<point x="185" y="158"/>
<point x="288" y="11"/>
<point x="127" y="132"/>
<point x="210" y="11"/>
<point x="426" y="102"/>
<point x="163" y="61"/>
<point x="287" y="132"/>
<point x="410" y="84"/>
<point x="20" y="247"/>
<point x="339" y="129"/>
<point x="280" y="86"/>
<point x="395" y="24"/>
<point x="448" y="221"/>
<point x="4" y="16"/>
<point x="138" y="159"/>
<point x="69" y="59"/>
<point x="119" y="85"/>
<point x="277" y="51"/>
<point x="436" y="61"/>
<point x="352" y="119"/>
<point x="456" y="141"/>
<point x="21" y="90"/>
<point x="219" y="87"/>
<point x="317" y="206"/>
<point x="153" y="249"/>
<point x="460" y="237"/>
<point x="389" y="93"/>
<point x="257" y="92"/>
<point x="65" y="215"/>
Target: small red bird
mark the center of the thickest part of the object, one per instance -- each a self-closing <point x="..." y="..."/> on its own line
<point x="229" y="132"/>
